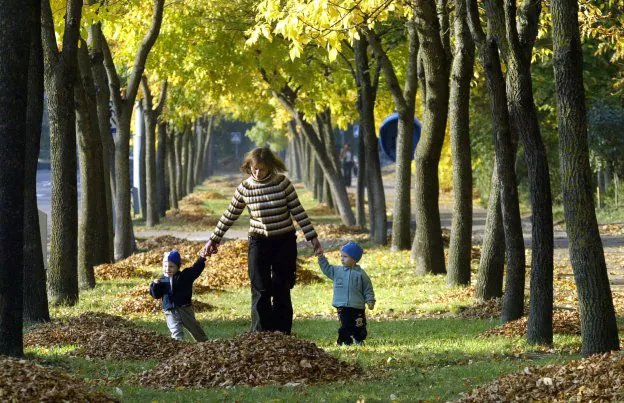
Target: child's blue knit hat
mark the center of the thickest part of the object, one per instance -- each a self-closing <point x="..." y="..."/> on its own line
<point x="354" y="250"/>
<point x="173" y="257"/>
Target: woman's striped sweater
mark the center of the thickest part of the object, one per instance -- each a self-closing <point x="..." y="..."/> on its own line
<point x="272" y="204"/>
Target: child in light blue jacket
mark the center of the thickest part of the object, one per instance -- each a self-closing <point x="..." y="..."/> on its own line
<point x="353" y="290"/>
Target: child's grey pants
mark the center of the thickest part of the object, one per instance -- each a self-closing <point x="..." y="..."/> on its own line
<point x="184" y="317"/>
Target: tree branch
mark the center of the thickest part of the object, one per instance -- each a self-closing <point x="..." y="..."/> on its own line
<point x="411" y="78"/>
<point x="71" y="34"/>
<point x="113" y="79"/>
<point x="141" y="55"/>
<point x="161" y="98"/>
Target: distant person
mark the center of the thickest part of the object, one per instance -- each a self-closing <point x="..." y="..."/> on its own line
<point x="346" y="159"/>
<point x="353" y="290"/>
<point x="175" y="288"/>
<point x="272" y="255"/>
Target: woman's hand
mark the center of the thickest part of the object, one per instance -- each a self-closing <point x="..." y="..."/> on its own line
<point x="210" y="248"/>
<point x="318" y="249"/>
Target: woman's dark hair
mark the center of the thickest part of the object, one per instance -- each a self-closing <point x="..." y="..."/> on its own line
<point x="262" y="155"/>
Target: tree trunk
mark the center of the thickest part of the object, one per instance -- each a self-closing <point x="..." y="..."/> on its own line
<point x="162" y="191"/>
<point x="139" y="154"/>
<point x="14" y="62"/>
<point x="376" y="194"/>
<point x="190" y="143"/>
<point x="428" y="250"/>
<point x="93" y="225"/>
<point x="180" y="185"/>
<point x="461" y="230"/>
<point x="513" y="300"/>
<point x="104" y="123"/>
<point x="492" y="264"/>
<point x="599" y="330"/>
<point x="34" y="293"/>
<point x="60" y="73"/>
<point x="404" y="101"/>
<point x="171" y="170"/>
<point x="199" y="150"/>
<point x="206" y="149"/>
<point x="122" y="105"/>
<point x="361" y="185"/>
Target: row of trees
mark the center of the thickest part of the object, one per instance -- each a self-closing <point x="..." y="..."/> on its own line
<point x="299" y="69"/>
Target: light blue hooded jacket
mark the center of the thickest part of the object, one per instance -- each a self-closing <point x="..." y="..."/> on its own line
<point x="352" y="286"/>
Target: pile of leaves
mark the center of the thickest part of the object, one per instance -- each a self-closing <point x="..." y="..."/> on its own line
<point x="139" y="300"/>
<point x="158" y="242"/>
<point x="260" y="358"/>
<point x="454" y="294"/>
<point x="483" y="309"/>
<point x="612" y="229"/>
<point x="21" y="380"/>
<point x="564" y="322"/>
<point x="120" y="270"/>
<point x="599" y="378"/>
<point x="339" y="231"/>
<point x="103" y="336"/>
<point x="191" y="215"/>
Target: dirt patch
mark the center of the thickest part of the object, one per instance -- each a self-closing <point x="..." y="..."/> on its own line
<point x="253" y="359"/>
<point x="599" y="378"/>
<point x="23" y="381"/>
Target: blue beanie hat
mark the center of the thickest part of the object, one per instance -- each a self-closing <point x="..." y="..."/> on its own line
<point x="173" y="257"/>
<point x="354" y="250"/>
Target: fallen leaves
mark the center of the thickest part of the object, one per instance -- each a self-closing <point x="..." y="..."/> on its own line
<point x="139" y="300"/>
<point x="599" y="378"/>
<point x="252" y="359"/>
<point x="119" y="271"/>
<point x="103" y="336"/>
<point x="564" y="322"/>
<point x="21" y="380"/>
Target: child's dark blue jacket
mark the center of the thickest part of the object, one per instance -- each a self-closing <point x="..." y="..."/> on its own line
<point x="182" y="286"/>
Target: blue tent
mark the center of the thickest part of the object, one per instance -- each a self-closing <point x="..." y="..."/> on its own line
<point x="388" y="135"/>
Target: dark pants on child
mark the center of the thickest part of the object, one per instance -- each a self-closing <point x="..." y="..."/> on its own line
<point x="272" y="265"/>
<point x="352" y="323"/>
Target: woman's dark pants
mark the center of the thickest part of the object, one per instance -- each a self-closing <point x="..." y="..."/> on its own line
<point x="272" y="265"/>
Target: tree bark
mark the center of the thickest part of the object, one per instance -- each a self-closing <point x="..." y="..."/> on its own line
<point x="94" y="223"/>
<point x="206" y="150"/>
<point x="122" y="106"/>
<point x="180" y="186"/>
<point x="191" y="142"/>
<point x="35" y="297"/>
<point x="404" y="102"/>
<point x="162" y="191"/>
<point x="360" y="218"/>
<point x="461" y="229"/>
<point x="104" y="123"/>
<point x="513" y="300"/>
<point x="428" y="250"/>
<point x="171" y="170"/>
<point x="492" y="264"/>
<point x="367" y="91"/>
<point x="14" y="69"/>
<point x="60" y="73"/>
<point x="598" y="325"/>
<point x="139" y="157"/>
<point x="151" y="113"/>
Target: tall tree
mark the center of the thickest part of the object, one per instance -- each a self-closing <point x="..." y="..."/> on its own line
<point x="405" y="104"/>
<point x="367" y="92"/>
<point x="428" y="250"/>
<point x="35" y="297"/>
<point x="60" y="73"/>
<point x="123" y="103"/>
<point x="162" y="191"/>
<point x="462" y="70"/>
<point x="93" y="228"/>
<point x="15" y="42"/>
<point x="171" y="169"/>
<point x="152" y="113"/>
<point x="598" y="325"/>
<point x="516" y="40"/>
<point x="102" y="94"/>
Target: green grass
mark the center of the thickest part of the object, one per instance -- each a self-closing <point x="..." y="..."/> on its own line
<point x="413" y="359"/>
<point x="410" y="357"/>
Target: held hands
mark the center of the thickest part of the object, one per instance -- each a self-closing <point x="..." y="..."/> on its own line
<point x="210" y="248"/>
<point x="318" y="249"/>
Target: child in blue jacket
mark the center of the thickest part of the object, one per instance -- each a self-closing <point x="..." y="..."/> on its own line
<point x="175" y="288"/>
<point x="353" y="290"/>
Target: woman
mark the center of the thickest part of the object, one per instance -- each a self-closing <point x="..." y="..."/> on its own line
<point x="272" y="255"/>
